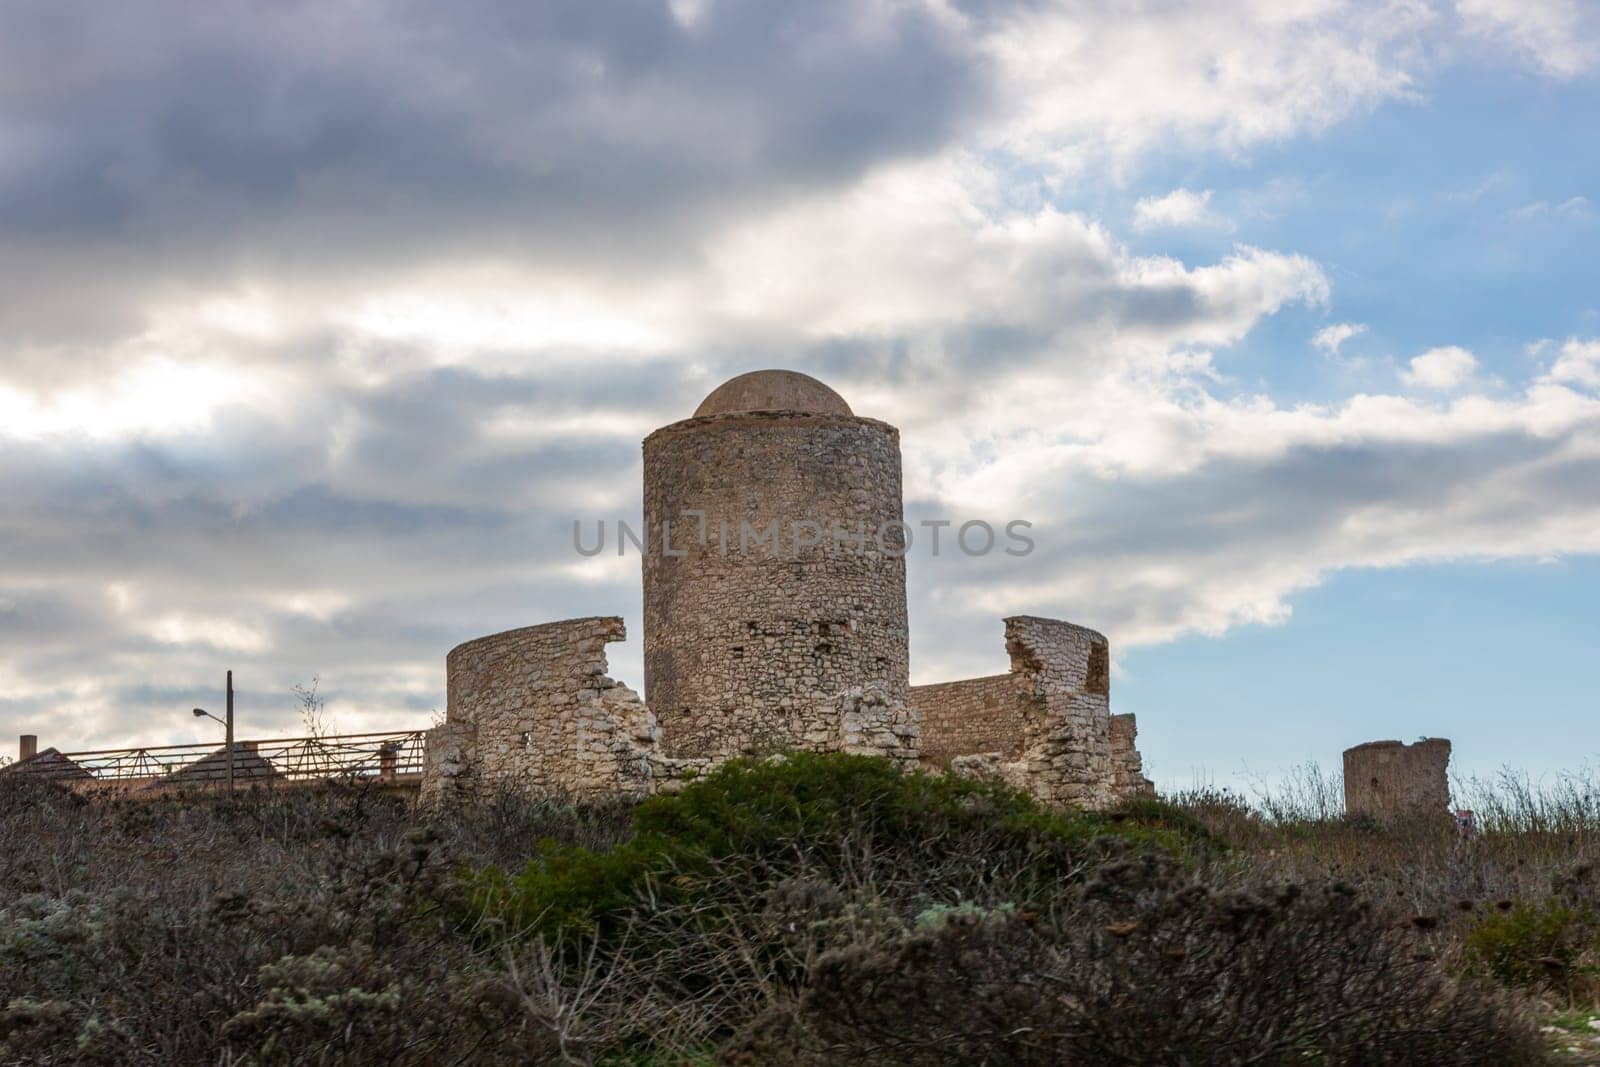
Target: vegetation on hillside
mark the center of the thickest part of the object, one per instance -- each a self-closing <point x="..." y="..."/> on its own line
<point x="815" y="910"/>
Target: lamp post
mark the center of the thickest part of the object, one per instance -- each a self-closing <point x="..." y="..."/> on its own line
<point x="227" y="726"/>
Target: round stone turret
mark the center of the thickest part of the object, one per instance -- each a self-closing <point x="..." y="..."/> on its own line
<point x="774" y="574"/>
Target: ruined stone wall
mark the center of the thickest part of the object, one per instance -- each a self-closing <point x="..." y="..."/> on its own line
<point x="532" y="710"/>
<point x="971" y="716"/>
<point x="450" y="776"/>
<point x="1067" y="746"/>
<point x="750" y="645"/>
<point x="1387" y="778"/>
<point x="1065" y="656"/>
<point x="1058" y="740"/>
<point x="1127" y="766"/>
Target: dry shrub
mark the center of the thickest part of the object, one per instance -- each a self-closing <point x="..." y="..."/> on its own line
<point x="300" y="926"/>
<point x="825" y="908"/>
<point x="1148" y="965"/>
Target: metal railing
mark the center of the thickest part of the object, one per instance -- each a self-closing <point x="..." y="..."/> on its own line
<point x="376" y="757"/>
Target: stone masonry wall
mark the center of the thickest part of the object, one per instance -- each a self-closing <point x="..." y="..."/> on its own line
<point x="1127" y="766"/>
<point x="1066" y="747"/>
<point x="1387" y="778"/>
<point x="749" y="645"/>
<point x="533" y="710"/>
<point x="867" y="721"/>
<point x="450" y="776"/>
<point x="971" y="716"/>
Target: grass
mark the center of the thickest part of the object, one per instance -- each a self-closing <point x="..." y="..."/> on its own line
<point x="1517" y="901"/>
<point x="809" y="911"/>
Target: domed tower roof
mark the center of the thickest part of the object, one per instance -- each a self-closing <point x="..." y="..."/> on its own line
<point x="772" y="390"/>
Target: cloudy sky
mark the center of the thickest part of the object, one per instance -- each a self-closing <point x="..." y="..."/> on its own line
<point x="319" y="324"/>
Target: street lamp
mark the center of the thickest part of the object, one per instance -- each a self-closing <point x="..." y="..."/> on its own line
<point x="227" y="725"/>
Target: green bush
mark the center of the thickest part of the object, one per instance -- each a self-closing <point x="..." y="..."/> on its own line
<point x="1153" y="813"/>
<point x="1536" y="945"/>
<point x="819" y="814"/>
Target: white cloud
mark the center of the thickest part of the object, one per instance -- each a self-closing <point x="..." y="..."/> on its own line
<point x="1172" y="511"/>
<point x="918" y="248"/>
<point x="1177" y="208"/>
<point x="150" y="396"/>
<point x="1331" y="338"/>
<point x="408" y="480"/>
<point x="1572" y="209"/>
<point x="1561" y="36"/>
<point x="1441" y="369"/>
<point x="1109" y="82"/>
<point x="338" y="416"/>
<point x="224" y="634"/>
<point x="1493" y="182"/>
<point x="688" y="12"/>
<point x="1578" y="363"/>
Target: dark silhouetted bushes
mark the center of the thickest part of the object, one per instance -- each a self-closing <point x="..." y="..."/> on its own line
<point x="819" y="909"/>
<point x="1147" y="965"/>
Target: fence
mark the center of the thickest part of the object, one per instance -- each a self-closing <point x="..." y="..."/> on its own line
<point x="380" y="757"/>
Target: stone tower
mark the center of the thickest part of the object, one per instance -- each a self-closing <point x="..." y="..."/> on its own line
<point x="1388" y="778"/>
<point x="774" y="574"/>
<point x="774" y="620"/>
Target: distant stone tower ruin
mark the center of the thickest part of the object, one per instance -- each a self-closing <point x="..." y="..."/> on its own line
<point x="1387" y="778"/>
<point x="767" y="592"/>
<point x="774" y="620"/>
